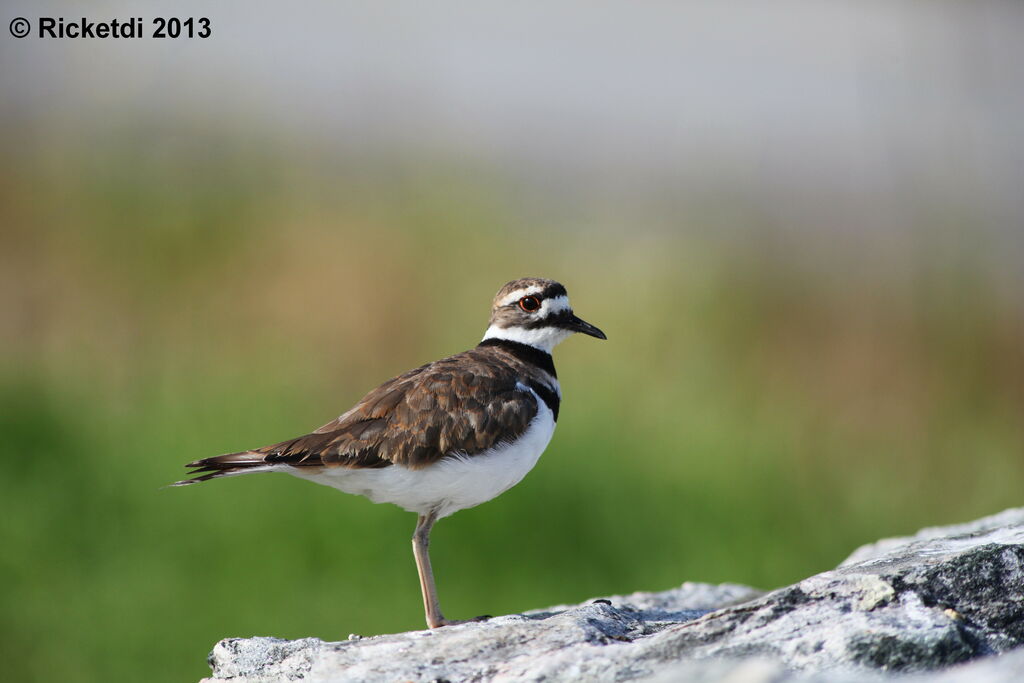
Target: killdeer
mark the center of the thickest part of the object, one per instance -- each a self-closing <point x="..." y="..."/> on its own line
<point x="443" y="437"/>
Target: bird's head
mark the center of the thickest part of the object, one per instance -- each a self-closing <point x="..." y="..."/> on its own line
<point x="537" y="312"/>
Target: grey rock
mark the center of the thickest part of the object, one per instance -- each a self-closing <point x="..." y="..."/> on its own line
<point x="1007" y="519"/>
<point x="943" y="606"/>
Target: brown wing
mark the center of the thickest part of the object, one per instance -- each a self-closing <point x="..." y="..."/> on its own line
<point x="464" y="404"/>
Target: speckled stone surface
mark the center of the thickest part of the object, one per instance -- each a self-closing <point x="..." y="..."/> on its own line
<point x="945" y="605"/>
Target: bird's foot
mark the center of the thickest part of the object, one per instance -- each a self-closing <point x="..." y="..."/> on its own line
<point x="455" y="622"/>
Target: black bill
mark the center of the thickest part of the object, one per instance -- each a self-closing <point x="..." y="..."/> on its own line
<point x="579" y="325"/>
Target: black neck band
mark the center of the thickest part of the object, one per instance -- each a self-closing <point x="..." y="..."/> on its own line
<point x="526" y="353"/>
<point x="550" y="398"/>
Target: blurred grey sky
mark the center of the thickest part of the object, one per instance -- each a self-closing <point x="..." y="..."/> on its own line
<point x="862" y="110"/>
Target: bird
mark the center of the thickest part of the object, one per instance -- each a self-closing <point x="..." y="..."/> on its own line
<point x="446" y="436"/>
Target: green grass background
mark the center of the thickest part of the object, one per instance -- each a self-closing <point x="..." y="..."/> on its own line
<point x="767" y="400"/>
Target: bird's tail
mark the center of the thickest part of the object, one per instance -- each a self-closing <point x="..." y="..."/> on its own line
<point x="218" y="466"/>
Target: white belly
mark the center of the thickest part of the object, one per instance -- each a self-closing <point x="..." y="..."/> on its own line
<point x="451" y="484"/>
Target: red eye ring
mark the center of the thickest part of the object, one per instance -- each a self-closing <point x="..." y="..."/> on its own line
<point x="530" y="304"/>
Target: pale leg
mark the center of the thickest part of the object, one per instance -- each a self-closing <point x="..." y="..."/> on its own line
<point x="421" y="550"/>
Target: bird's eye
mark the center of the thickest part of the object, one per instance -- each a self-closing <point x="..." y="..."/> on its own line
<point x="529" y="303"/>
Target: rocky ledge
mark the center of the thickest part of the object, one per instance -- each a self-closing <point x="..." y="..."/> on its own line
<point x="945" y="605"/>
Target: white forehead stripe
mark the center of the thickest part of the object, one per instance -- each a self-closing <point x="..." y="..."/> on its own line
<point x="555" y="304"/>
<point x="519" y="294"/>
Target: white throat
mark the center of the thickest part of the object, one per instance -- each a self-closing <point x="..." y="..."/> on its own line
<point x="543" y="338"/>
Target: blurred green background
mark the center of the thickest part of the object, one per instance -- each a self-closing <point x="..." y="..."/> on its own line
<point x="807" y="257"/>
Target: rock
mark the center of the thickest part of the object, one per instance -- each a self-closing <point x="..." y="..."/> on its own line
<point x="941" y="606"/>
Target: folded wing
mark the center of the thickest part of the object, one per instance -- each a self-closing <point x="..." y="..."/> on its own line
<point x="463" y="405"/>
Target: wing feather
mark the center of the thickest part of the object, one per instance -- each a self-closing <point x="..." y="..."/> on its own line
<point x="462" y="405"/>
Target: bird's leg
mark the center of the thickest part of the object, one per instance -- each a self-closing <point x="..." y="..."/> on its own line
<point x="421" y="550"/>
